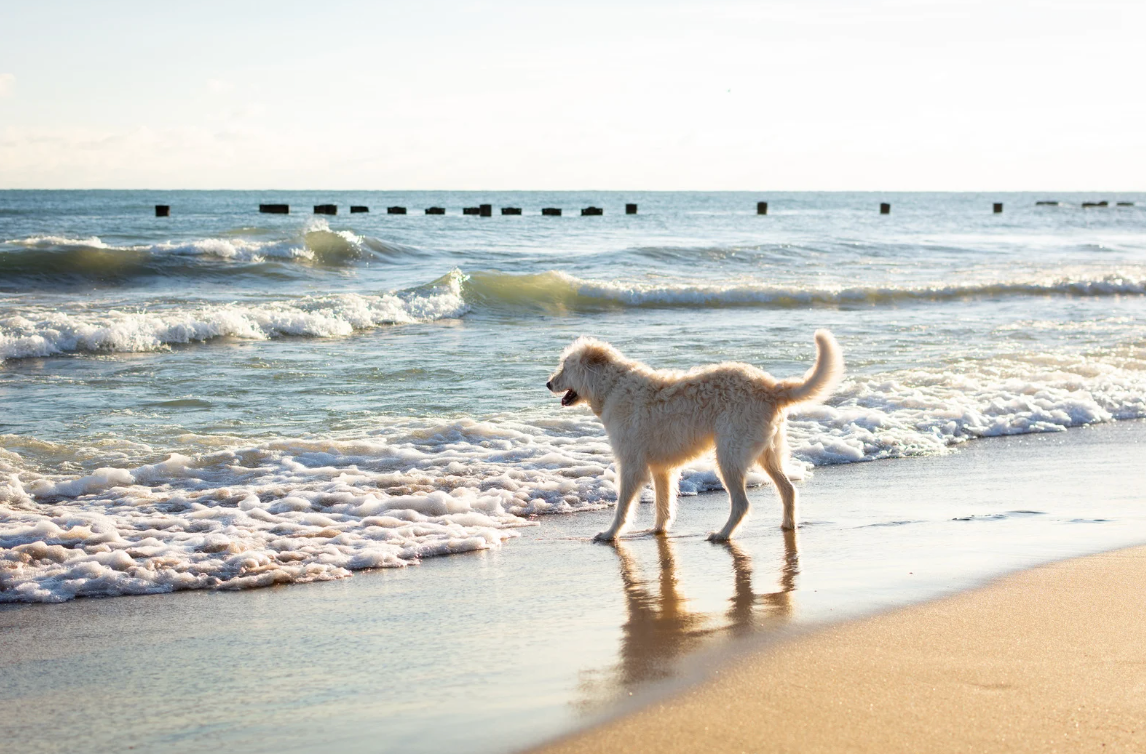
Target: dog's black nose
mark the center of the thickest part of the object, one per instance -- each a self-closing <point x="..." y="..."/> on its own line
<point x="549" y="385"/>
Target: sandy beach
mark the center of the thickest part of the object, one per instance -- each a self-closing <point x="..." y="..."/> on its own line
<point x="1046" y="660"/>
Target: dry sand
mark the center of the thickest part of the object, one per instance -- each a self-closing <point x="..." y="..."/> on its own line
<point x="1049" y="660"/>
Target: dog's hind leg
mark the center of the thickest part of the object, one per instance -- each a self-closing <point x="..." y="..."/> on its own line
<point x="664" y="481"/>
<point x="732" y="473"/>
<point x="633" y="476"/>
<point x="772" y="460"/>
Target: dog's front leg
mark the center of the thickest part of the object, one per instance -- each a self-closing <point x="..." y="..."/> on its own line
<point x="633" y="477"/>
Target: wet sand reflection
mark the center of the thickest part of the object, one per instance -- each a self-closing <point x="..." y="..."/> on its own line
<point x="662" y="628"/>
<point x="752" y="612"/>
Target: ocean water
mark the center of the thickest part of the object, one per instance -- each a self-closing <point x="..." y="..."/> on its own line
<point x="223" y="399"/>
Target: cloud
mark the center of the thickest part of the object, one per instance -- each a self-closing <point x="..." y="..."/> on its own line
<point x="220" y="86"/>
<point x="7" y="83"/>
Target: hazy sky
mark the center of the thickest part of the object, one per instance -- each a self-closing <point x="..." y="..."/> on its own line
<point x="623" y="95"/>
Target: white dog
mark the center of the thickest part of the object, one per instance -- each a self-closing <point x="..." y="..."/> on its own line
<point x="658" y="420"/>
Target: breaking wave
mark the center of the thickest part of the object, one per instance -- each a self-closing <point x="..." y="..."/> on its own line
<point x="556" y="292"/>
<point x="62" y="259"/>
<point x="43" y="331"/>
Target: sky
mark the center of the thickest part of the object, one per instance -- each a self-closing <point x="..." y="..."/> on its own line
<point x="768" y="95"/>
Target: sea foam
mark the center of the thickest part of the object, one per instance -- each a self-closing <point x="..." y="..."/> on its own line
<point x="225" y="513"/>
<point x="40" y="331"/>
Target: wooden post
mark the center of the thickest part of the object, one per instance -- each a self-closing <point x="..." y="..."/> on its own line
<point x="356" y="209"/>
<point x="592" y="212"/>
<point x="274" y="209"/>
<point x="471" y="211"/>
<point x="551" y="211"/>
<point x="511" y="210"/>
<point x="630" y="209"/>
<point x="435" y="210"/>
<point x="884" y="208"/>
<point x="761" y="208"/>
<point x="395" y="210"/>
<point x="162" y="210"/>
<point x="326" y="209"/>
<point x="998" y="208"/>
<point x="486" y="210"/>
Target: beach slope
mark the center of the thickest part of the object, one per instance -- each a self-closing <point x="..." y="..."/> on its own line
<point x="1051" y="659"/>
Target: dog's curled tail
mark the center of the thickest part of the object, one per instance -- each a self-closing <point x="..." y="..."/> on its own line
<point x="819" y="381"/>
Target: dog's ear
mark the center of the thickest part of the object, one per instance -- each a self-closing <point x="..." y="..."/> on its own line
<point x="595" y="355"/>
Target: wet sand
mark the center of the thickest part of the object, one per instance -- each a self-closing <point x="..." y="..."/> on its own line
<point x="1051" y="659"/>
<point x="553" y="633"/>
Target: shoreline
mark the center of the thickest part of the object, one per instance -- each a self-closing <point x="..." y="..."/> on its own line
<point x="504" y="649"/>
<point x="1045" y="659"/>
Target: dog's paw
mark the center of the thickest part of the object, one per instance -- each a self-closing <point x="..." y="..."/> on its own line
<point x="604" y="536"/>
<point x="716" y="536"/>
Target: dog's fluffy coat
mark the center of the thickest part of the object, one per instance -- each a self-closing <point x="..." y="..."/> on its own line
<point x="659" y="420"/>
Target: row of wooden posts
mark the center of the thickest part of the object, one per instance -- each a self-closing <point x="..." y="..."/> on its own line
<point x="1103" y="203"/>
<point x="481" y="210"/>
<point x="996" y="207"/>
<point x="486" y="210"/>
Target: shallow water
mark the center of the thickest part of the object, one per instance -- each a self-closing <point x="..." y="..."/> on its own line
<point x="224" y="399"/>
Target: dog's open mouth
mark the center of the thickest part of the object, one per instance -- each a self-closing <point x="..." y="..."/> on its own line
<point x="569" y="398"/>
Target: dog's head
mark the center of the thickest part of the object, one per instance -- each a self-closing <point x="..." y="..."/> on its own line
<point x="583" y="365"/>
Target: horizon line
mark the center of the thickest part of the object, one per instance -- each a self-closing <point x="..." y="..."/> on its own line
<point x="613" y="191"/>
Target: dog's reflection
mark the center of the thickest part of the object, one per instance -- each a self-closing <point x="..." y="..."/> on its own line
<point x="661" y="629"/>
<point x="749" y="611"/>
